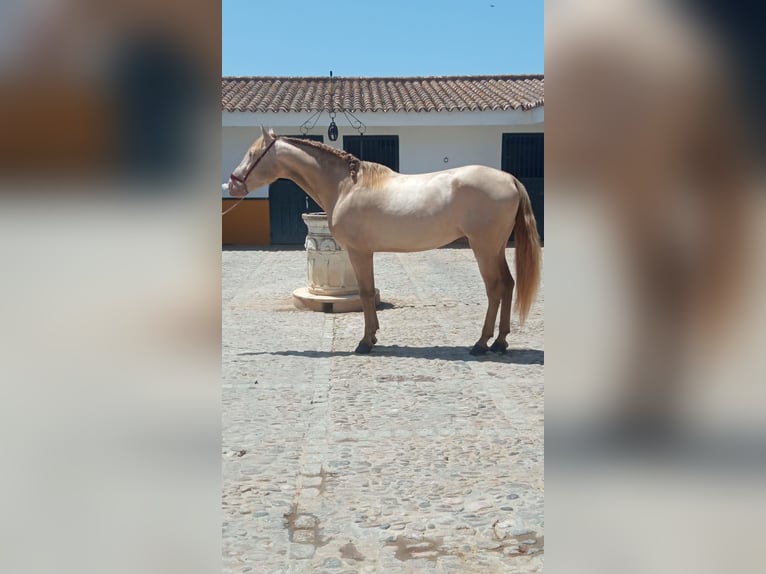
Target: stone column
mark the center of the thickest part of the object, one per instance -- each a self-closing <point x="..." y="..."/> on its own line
<point x="332" y="286"/>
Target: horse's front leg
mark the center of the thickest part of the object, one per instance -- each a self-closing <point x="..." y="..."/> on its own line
<point x="361" y="261"/>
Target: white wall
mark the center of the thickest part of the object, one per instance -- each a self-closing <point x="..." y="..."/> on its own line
<point x="425" y="149"/>
<point x="421" y="148"/>
<point x="486" y="118"/>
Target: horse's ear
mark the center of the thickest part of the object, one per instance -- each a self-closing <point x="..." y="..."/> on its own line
<point x="268" y="134"/>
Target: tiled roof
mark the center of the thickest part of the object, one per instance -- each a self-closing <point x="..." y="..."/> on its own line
<point x="417" y="94"/>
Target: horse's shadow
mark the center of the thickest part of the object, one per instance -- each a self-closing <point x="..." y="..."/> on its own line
<point x="442" y="352"/>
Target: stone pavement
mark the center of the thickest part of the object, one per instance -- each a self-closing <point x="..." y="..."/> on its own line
<point x="415" y="458"/>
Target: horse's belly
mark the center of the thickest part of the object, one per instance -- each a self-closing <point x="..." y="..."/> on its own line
<point x="401" y="233"/>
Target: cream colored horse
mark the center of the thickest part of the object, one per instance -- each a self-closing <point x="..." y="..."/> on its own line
<point x="372" y="208"/>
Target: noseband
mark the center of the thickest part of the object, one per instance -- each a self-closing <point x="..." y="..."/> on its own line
<point x="252" y="167"/>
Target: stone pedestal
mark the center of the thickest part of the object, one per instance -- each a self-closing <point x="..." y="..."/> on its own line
<point x="332" y="286"/>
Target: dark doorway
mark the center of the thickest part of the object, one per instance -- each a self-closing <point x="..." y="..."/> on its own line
<point x="523" y="156"/>
<point x="287" y="202"/>
<point x="380" y="149"/>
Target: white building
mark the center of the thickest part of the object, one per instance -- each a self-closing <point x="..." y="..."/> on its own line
<point x="413" y="125"/>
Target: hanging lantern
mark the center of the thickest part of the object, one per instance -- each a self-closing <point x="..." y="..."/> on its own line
<point x="332" y="131"/>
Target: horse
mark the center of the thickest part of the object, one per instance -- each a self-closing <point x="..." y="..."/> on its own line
<point x="373" y="208"/>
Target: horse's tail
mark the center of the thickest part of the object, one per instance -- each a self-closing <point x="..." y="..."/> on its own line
<point x="528" y="254"/>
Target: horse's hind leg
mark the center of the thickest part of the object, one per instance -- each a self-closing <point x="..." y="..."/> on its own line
<point x="493" y="282"/>
<point x="500" y="344"/>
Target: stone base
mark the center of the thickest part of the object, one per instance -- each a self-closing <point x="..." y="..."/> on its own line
<point x="304" y="299"/>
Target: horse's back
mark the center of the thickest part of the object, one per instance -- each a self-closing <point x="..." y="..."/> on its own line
<point x="494" y="184"/>
<point x="424" y="211"/>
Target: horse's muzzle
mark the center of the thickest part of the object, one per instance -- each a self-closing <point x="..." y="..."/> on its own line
<point x="237" y="187"/>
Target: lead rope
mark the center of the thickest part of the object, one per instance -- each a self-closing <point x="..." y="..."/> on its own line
<point x="233" y="206"/>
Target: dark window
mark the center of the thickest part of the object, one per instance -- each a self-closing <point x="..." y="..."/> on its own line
<point x="523" y="155"/>
<point x="380" y="149"/>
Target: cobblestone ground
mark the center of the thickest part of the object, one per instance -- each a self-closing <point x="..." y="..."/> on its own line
<point x="415" y="458"/>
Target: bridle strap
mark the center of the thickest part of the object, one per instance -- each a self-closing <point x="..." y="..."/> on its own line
<point x="249" y="171"/>
<point x="255" y="163"/>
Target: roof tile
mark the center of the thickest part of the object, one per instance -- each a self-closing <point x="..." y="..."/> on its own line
<point x="415" y="94"/>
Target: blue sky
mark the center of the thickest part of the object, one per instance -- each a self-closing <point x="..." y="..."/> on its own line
<point x="381" y="38"/>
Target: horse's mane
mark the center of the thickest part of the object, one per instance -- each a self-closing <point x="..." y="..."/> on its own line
<point x="374" y="174"/>
<point x="352" y="161"/>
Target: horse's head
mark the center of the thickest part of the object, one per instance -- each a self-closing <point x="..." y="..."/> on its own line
<point x="257" y="168"/>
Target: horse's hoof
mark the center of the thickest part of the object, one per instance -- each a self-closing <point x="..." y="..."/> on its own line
<point x="478" y="350"/>
<point x="498" y="347"/>
<point x="363" y="348"/>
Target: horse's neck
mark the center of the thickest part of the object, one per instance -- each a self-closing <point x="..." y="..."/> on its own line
<point x="315" y="174"/>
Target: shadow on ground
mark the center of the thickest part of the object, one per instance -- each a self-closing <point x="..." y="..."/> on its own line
<point x="447" y="353"/>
